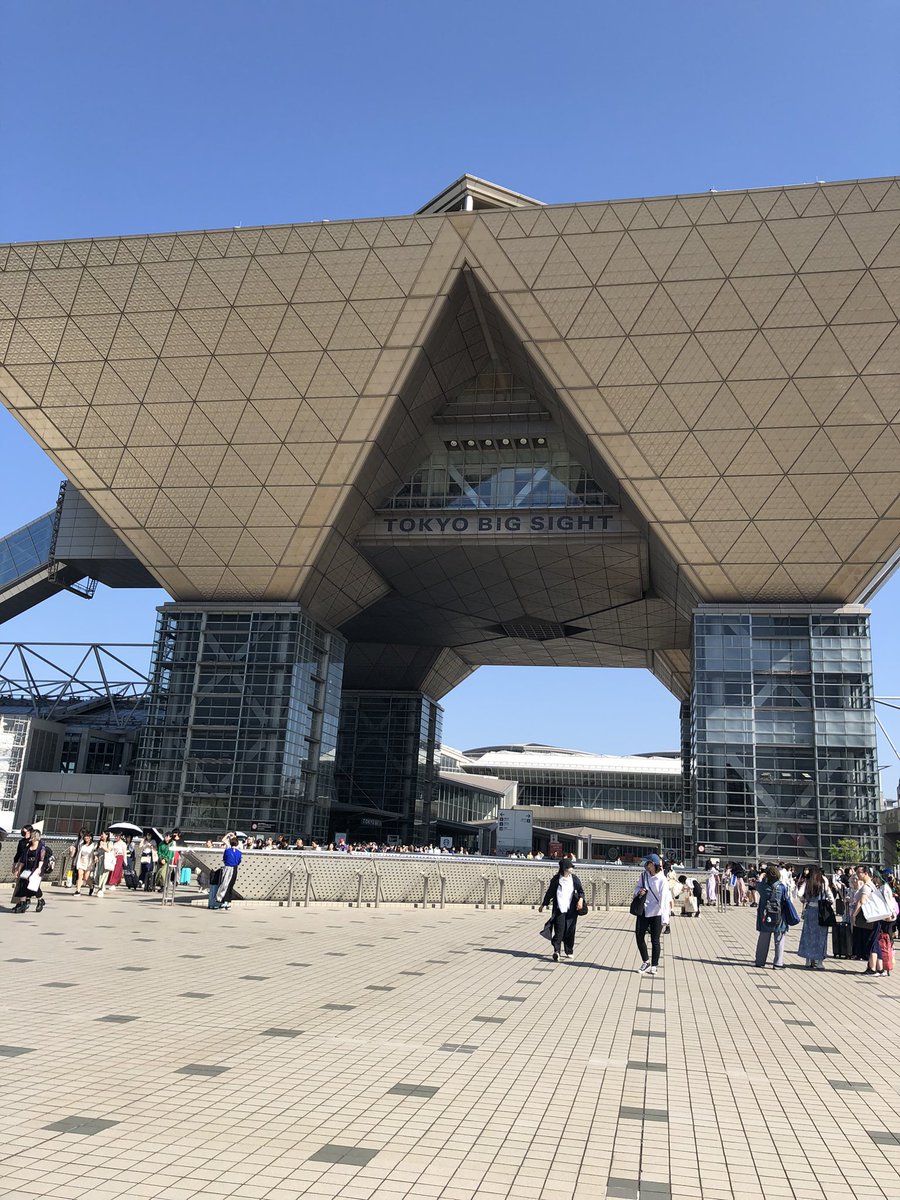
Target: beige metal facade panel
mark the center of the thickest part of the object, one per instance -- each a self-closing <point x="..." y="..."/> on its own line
<point x="233" y="402"/>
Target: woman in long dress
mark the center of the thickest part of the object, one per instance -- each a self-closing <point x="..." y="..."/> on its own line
<point x="120" y="849"/>
<point x="814" y="937"/>
<point x="712" y="884"/>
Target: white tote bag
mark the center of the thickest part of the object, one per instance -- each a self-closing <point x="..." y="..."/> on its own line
<point x="875" y="907"/>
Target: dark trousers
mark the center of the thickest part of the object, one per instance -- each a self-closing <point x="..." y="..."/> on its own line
<point x="564" y="931"/>
<point x="653" y="926"/>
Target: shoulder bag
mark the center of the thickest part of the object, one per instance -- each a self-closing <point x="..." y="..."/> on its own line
<point x="638" y="903"/>
<point x="875" y="907"/>
<point x="791" y="916"/>
<point x="826" y="913"/>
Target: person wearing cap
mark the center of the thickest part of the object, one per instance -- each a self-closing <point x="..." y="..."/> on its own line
<point x="654" y="887"/>
<point x="566" y="895"/>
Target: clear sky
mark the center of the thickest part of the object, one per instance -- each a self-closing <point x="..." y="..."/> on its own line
<point x="184" y="114"/>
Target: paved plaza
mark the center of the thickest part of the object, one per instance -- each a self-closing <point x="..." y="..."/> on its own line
<point x="436" y="1055"/>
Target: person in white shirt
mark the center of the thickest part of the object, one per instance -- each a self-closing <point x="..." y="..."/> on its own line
<point x="654" y="887"/>
<point x="566" y="895"/>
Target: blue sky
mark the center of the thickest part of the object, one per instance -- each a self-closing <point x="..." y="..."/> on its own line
<point x="130" y="118"/>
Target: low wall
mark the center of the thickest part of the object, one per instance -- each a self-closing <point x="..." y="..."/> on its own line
<point x="368" y="879"/>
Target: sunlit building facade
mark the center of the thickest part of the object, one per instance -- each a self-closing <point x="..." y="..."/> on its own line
<point x="490" y="432"/>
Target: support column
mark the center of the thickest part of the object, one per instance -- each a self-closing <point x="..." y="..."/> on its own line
<point x="243" y="721"/>
<point x="387" y="765"/>
<point x="783" y="750"/>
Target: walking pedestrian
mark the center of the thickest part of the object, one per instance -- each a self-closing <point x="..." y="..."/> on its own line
<point x="105" y="860"/>
<point x="566" y="896"/>
<point x="653" y="887"/>
<point x="145" y="857"/>
<point x="770" y="919"/>
<point x="120" y="850"/>
<point x="36" y="863"/>
<point x="231" y="860"/>
<point x="818" y="898"/>
<point x="84" y="863"/>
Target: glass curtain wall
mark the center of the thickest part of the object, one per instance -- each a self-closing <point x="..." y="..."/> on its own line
<point x="388" y="755"/>
<point x="783" y="752"/>
<point x="243" y="721"/>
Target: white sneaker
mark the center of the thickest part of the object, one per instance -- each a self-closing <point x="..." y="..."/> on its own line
<point x="645" y="966"/>
<point x="653" y="970"/>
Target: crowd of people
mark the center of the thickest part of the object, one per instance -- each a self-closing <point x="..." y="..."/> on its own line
<point x="341" y="846"/>
<point x="858" y="904"/>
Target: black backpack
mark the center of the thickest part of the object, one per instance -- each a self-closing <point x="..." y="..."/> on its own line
<point x="771" y="915"/>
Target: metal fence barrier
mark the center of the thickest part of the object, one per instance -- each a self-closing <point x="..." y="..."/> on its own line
<point x="370" y="880"/>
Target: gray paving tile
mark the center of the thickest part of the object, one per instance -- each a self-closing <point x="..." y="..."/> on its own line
<point x="350" y="1156"/>
<point x="850" y="1085"/>
<point x="412" y="972"/>
<point x="634" y="1065"/>
<point x="258" y="978"/>
<point x="340" y="1007"/>
<point x="16" y="1051"/>
<point x="20" y="960"/>
<point x="632" y="1113"/>
<point x="797" y="1021"/>
<point x="118" y="1019"/>
<point x="622" y="1189"/>
<point x="490" y="1020"/>
<point x="59" y="985"/>
<point x="297" y="964"/>
<point x="458" y="1047"/>
<point x="285" y="1033"/>
<point x="649" y="1190"/>
<point x="134" y="968"/>
<point x="516" y="999"/>
<point x="820" y="1049"/>
<point x="657" y="1033"/>
<point x="882" y="1138"/>
<point x="378" y="987"/>
<point x="412" y="1089"/>
<point x="196" y="995"/>
<point x="201" y="1069"/>
<point x="81" y="1125"/>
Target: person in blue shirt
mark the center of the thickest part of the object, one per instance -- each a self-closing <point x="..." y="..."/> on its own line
<point x="231" y="860"/>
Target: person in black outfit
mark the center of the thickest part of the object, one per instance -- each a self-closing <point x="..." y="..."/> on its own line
<point x="35" y="858"/>
<point x="566" y="895"/>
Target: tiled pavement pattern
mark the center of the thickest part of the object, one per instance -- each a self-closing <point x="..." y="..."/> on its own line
<point x="498" y="1076"/>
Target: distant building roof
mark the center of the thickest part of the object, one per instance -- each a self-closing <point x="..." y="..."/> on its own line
<point x="482" y="783"/>
<point x="469" y="193"/>
<point x="513" y="758"/>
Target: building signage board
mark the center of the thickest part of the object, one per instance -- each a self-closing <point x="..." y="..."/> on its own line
<point x="514" y="830"/>
<point x="446" y="843"/>
<point x="401" y="526"/>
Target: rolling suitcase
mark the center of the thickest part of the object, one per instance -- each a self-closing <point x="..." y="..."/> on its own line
<point x="841" y="941"/>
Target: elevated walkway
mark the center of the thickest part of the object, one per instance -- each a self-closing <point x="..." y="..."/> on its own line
<point x="67" y="549"/>
<point x="29" y="574"/>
